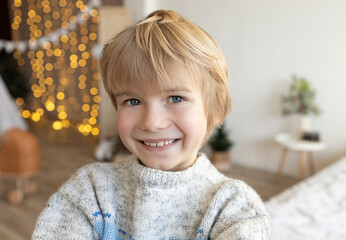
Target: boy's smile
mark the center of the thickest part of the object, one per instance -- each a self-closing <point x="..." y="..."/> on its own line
<point x="164" y="129"/>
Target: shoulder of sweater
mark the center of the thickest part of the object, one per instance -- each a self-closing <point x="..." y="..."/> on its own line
<point x="239" y="191"/>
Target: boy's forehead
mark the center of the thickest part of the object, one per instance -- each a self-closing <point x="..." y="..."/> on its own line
<point x="178" y="79"/>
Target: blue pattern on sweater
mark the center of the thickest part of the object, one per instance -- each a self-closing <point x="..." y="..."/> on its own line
<point x="106" y="227"/>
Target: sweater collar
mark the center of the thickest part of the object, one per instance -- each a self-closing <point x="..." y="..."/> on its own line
<point x="156" y="177"/>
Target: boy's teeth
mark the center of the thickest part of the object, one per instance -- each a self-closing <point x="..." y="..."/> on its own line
<point x="159" y="144"/>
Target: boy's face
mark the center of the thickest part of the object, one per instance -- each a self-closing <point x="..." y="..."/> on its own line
<point x="164" y="129"/>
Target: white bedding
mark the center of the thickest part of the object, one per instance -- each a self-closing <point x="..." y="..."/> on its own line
<point x="313" y="209"/>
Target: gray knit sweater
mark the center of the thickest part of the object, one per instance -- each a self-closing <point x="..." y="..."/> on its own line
<point x="129" y="201"/>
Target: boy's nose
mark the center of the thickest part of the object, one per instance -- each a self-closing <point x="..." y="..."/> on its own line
<point x="154" y="119"/>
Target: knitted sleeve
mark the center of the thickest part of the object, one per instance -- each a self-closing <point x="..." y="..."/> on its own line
<point x="67" y="214"/>
<point x="242" y="215"/>
<point x="61" y="220"/>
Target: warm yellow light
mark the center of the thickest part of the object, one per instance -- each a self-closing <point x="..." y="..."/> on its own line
<point x="18" y="12"/>
<point x="65" y="24"/>
<point x="81" y="128"/>
<point x="57" y="125"/>
<point x="94" y="113"/>
<point x="84" y="9"/>
<point x="60" y="108"/>
<point x="84" y="31"/>
<point x="60" y="95"/>
<point x="93" y="12"/>
<point x="38" y="33"/>
<point x="21" y="62"/>
<point x="82" y="78"/>
<point x="95" y="107"/>
<point x="64" y="38"/>
<point x="62" y="115"/>
<point x="64" y="81"/>
<point x="96" y="76"/>
<point x="40" y="111"/>
<point x="79" y="4"/>
<point x="92" y="121"/>
<point x="73" y="64"/>
<point x="46" y="9"/>
<point x="73" y="58"/>
<point x="35" y="117"/>
<point x="31" y="54"/>
<point x="26" y="113"/>
<point x="66" y="123"/>
<point x="81" y="47"/>
<point x="73" y="41"/>
<point x="17" y="3"/>
<point x="84" y="39"/>
<point x="19" y="101"/>
<point x="34" y="87"/>
<point x="93" y="36"/>
<point x="31" y="14"/>
<point x="49" y="67"/>
<point x="17" y="19"/>
<point x="81" y="85"/>
<point x="15" y="26"/>
<point x="94" y="91"/>
<point x="95" y="19"/>
<point x="87" y="128"/>
<point x="82" y="62"/>
<point x="73" y="19"/>
<point x="39" y="54"/>
<point x="42" y="88"/>
<point x="85" y="55"/>
<point x="62" y="3"/>
<point x="37" y="18"/>
<point x="95" y="131"/>
<point x="49" y="81"/>
<point x="57" y="52"/>
<point x="86" y="107"/>
<point x="49" y="52"/>
<point x="37" y="94"/>
<point x="97" y="99"/>
<point x="56" y="14"/>
<point x="50" y="106"/>
<point x="47" y="45"/>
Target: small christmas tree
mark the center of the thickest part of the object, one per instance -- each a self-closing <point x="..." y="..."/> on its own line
<point x="221" y="145"/>
<point x="220" y="142"/>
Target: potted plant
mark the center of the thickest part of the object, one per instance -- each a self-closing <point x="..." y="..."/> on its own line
<point x="300" y="101"/>
<point x="221" y="147"/>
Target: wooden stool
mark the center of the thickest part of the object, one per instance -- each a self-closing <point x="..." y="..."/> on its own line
<point x="305" y="148"/>
<point x="19" y="161"/>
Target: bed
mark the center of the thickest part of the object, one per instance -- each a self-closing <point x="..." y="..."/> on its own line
<point x="313" y="209"/>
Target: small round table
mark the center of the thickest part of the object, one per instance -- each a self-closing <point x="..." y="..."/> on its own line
<point x="290" y="143"/>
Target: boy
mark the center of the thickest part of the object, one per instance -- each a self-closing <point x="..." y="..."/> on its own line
<point x="168" y="81"/>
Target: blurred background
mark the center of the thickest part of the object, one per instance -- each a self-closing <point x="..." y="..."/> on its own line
<point x="51" y="91"/>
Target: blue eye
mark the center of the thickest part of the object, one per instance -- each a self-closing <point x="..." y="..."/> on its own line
<point x="176" y="99"/>
<point x="132" y="102"/>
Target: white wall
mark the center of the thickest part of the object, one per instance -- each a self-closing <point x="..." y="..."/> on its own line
<point x="265" y="42"/>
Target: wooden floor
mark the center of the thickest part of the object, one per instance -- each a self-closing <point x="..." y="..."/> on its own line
<point x="62" y="153"/>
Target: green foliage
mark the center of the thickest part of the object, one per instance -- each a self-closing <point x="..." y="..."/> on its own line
<point x="12" y="77"/>
<point x="219" y="141"/>
<point x="300" y="98"/>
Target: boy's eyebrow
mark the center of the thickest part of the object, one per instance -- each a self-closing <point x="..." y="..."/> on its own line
<point x="119" y="94"/>
<point x="177" y="90"/>
<point x="127" y="93"/>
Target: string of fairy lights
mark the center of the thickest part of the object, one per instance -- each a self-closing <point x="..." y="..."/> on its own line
<point x="64" y="75"/>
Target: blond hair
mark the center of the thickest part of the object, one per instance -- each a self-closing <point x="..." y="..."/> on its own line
<point x="146" y="52"/>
